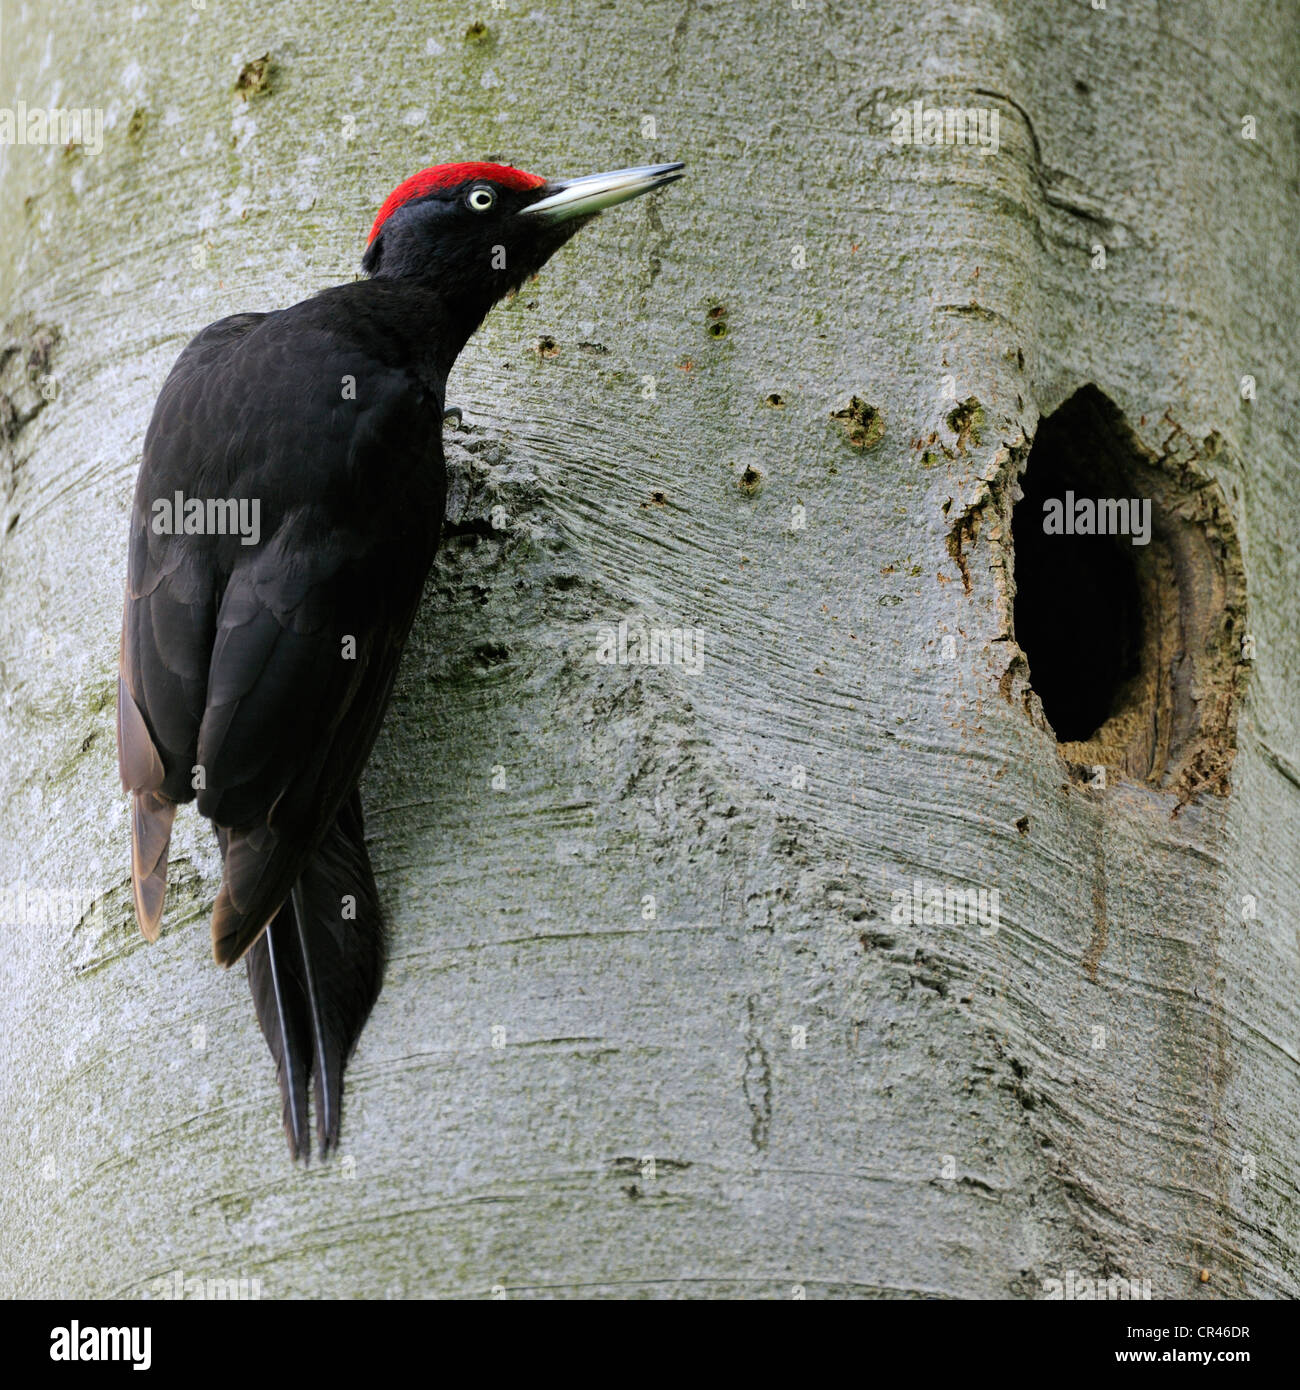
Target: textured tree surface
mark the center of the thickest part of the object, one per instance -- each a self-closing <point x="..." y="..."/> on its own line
<point x="649" y="1026"/>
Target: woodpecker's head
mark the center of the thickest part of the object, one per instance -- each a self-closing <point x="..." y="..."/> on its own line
<point x="487" y="227"/>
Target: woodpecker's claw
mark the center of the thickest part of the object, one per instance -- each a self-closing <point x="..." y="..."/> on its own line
<point x="593" y="192"/>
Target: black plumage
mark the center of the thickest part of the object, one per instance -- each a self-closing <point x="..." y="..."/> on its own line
<point x="254" y="677"/>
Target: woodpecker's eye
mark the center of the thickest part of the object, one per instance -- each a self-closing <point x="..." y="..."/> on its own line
<point x="480" y="199"/>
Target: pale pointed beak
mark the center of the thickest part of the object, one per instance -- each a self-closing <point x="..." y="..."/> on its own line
<point x="594" y="192"/>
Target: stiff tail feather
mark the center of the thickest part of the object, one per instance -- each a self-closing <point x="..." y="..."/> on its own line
<point x="315" y="974"/>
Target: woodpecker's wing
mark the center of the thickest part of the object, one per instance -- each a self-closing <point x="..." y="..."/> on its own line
<point x="259" y="664"/>
<point x="346" y="465"/>
<point x="299" y="682"/>
<point x="173" y="584"/>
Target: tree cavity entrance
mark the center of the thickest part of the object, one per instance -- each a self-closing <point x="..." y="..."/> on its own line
<point x="1129" y="597"/>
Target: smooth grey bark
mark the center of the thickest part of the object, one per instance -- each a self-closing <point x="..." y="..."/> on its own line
<point x="560" y="1094"/>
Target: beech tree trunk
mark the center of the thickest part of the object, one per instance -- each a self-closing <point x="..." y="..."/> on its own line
<point x="660" y="1018"/>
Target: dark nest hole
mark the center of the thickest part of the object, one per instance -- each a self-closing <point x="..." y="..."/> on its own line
<point x="1132" y="648"/>
<point x="1079" y="602"/>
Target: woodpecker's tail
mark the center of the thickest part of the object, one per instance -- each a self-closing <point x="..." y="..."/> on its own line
<point x="315" y="974"/>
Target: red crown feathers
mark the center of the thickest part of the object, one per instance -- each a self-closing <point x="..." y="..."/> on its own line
<point x="448" y="176"/>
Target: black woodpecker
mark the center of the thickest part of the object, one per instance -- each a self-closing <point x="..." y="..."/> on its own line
<point x="288" y="508"/>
